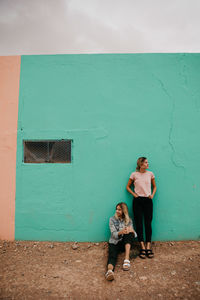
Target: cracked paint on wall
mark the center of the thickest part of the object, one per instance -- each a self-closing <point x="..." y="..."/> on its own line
<point x="115" y="108"/>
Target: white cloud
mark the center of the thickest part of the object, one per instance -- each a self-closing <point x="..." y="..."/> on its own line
<point x="98" y="26"/>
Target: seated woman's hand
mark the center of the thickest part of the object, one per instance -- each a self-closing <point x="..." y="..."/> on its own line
<point x="123" y="231"/>
<point x="126" y="230"/>
<point x="130" y="229"/>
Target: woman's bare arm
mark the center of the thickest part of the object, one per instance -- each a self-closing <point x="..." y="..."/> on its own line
<point x="153" y="182"/>
<point x="128" y="187"/>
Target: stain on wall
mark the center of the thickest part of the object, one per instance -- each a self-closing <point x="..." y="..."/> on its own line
<point x="115" y="108"/>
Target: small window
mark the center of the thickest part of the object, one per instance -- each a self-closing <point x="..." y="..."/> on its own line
<point x="56" y="151"/>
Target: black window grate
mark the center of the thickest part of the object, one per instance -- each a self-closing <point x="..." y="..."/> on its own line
<point x="53" y="151"/>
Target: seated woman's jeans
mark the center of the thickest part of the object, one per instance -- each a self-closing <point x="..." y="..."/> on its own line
<point x="114" y="250"/>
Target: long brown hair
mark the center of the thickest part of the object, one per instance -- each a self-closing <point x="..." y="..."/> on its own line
<point x="125" y="214"/>
<point x="140" y="162"/>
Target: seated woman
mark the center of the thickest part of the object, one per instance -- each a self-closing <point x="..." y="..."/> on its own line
<point x="122" y="236"/>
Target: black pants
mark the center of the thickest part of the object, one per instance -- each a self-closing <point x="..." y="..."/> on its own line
<point x="114" y="250"/>
<point x="143" y="209"/>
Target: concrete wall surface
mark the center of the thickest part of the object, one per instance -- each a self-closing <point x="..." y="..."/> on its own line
<point x="115" y="108"/>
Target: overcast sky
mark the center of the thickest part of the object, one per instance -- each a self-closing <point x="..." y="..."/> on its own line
<point x="99" y="26"/>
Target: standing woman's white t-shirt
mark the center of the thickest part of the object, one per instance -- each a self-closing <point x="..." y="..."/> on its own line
<point x="142" y="183"/>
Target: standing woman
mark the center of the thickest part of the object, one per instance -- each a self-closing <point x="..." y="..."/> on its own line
<point x="143" y="204"/>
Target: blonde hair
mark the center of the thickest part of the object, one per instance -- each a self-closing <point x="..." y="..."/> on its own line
<point x="140" y="162"/>
<point x="125" y="214"/>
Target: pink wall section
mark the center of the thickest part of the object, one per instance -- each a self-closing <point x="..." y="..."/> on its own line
<point x="9" y="95"/>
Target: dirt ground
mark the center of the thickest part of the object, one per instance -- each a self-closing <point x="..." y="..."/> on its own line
<point x="46" y="270"/>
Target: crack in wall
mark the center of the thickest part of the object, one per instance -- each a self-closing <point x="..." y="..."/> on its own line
<point x="183" y="72"/>
<point x="170" y="142"/>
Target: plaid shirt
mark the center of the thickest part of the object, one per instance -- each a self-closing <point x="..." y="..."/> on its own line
<point x="117" y="225"/>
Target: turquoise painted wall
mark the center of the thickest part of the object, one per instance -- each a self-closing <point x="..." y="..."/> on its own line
<point x="115" y="107"/>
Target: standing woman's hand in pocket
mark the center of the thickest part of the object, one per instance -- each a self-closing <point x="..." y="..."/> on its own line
<point x="128" y="187"/>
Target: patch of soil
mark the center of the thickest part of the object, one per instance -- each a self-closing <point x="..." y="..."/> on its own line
<point x="46" y="270"/>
